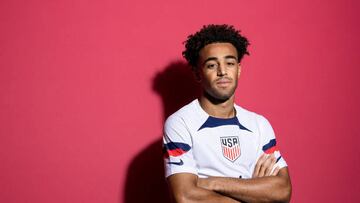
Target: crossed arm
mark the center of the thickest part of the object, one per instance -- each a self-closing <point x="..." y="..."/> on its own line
<point x="267" y="185"/>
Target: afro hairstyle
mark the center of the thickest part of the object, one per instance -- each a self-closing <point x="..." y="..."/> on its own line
<point x="213" y="34"/>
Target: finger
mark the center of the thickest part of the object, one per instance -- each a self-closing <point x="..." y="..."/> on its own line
<point x="259" y="162"/>
<point x="257" y="166"/>
<point x="276" y="171"/>
<point x="271" y="163"/>
<point x="264" y="165"/>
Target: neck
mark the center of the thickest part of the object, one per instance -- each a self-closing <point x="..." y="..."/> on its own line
<point x="218" y="108"/>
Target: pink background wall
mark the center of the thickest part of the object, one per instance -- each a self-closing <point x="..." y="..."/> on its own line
<point x="85" y="87"/>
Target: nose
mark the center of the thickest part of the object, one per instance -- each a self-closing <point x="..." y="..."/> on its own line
<point x="221" y="70"/>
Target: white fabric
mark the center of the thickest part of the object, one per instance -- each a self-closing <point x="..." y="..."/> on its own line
<point x="205" y="155"/>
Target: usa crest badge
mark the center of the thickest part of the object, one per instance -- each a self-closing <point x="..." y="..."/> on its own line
<point x="230" y="147"/>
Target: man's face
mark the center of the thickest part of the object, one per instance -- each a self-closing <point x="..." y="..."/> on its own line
<point x="219" y="70"/>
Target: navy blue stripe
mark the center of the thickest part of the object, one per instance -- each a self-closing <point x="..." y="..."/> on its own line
<point x="269" y="145"/>
<point x="177" y="145"/>
<point x="278" y="159"/>
<point x="212" y="122"/>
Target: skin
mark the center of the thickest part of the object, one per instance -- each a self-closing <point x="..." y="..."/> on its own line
<point x="268" y="184"/>
<point x="218" y="73"/>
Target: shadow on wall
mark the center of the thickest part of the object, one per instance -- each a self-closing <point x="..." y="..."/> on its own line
<point x="145" y="180"/>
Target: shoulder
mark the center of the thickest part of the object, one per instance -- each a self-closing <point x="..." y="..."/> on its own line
<point x="251" y="119"/>
<point x="182" y="113"/>
<point x="188" y="116"/>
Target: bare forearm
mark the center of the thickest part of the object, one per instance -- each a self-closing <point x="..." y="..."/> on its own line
<point x="185" y="190"/>
<point x="201" y="195"/>
<point x="264" y="189"/>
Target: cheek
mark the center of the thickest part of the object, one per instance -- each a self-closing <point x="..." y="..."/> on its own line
<point x="206" y="80"/>
<point x="207" y="76"/>
<point x="235" y="73"/>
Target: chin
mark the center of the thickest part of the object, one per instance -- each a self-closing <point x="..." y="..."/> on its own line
<point x="218" y="98"/>
<point x="223" y="95"/>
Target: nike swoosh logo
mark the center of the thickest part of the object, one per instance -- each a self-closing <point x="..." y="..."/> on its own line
<point x="180" y="163"/>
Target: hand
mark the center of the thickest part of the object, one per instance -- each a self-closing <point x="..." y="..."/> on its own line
<point x="265" y="166"/>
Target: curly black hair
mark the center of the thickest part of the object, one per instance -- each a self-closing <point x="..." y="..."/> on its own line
<point x="213" y="34"/>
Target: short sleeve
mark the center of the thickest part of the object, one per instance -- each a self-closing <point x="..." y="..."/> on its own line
<point x="177" y="147"/>
<point x="268" y="143"/>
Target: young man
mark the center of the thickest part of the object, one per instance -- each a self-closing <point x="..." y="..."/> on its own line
<point x="216" y="151"/>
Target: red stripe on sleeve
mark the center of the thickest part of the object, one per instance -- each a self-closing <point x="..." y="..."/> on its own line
<point x="271" y="150"/>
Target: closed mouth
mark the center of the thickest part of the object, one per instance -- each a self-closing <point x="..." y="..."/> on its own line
<point x="223" y="81"/>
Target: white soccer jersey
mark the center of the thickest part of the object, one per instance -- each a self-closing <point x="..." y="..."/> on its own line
<point x="197" y="143"/>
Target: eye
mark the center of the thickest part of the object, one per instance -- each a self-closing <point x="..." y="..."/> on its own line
<point x="231" y="62"/>
<point x="211" y="65"/>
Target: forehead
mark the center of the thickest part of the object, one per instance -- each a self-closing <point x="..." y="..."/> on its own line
<point x="217" y="50"/>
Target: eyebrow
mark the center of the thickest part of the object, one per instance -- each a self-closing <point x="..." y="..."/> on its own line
<point x="215" y="58"/>
<point x="231" y="57"/>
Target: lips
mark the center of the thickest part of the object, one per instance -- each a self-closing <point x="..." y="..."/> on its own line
<point x="223" y="82"/>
